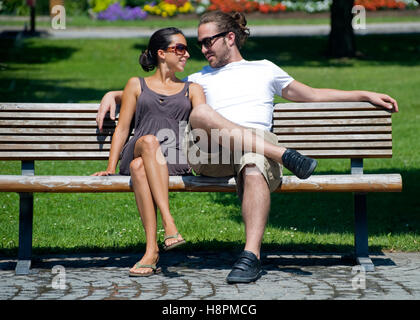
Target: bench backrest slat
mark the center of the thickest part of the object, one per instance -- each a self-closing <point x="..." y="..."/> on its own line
<point x="334" y="130"/>
<point x="65" y="131"/>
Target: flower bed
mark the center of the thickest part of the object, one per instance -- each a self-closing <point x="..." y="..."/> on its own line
<point x="169" y="8"/>
<point x="373" y="5"/>
<point x="309" y="6"/>
<point x="117" y="12"/>
<point x="140" y="9"/>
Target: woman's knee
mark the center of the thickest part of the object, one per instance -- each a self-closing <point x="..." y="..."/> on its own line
<point x="148" y="143"/>
<point x="137" y="167"/>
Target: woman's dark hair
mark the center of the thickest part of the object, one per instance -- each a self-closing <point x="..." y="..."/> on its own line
<point x="161" y="39"/>
<point x="235" y="22"/>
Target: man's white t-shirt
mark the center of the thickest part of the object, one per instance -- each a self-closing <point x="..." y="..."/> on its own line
<point x="243" y="91"/>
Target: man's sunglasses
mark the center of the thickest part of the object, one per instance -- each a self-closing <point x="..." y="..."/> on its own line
<point x="179" y="49"/>
<point x="208" y="42"/>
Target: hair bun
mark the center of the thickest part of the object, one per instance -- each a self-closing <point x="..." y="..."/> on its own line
<point x="240" y="19"/>
<point x="146" y="60"/>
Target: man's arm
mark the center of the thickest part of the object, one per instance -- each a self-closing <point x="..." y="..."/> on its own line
<point x="108" y="103"/>
<point x="299" y="92"/>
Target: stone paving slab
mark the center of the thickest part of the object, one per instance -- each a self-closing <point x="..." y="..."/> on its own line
<point x="201" y="276"/>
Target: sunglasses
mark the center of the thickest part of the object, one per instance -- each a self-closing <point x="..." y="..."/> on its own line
<point x="208" y="42"/>
<point x="179" y="49"/>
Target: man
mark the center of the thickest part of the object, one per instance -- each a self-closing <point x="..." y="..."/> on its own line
<point x="240" y="95"/>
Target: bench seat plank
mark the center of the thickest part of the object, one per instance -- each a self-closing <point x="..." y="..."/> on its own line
<point x="317" y="183"/>
<point x="103" y="155"/>
<point x="79" y="145"/>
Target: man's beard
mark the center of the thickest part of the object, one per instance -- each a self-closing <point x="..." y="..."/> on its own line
<point x="222" y="59"/>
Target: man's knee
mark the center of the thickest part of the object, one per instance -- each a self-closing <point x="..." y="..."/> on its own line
<point x="251" y="171"/>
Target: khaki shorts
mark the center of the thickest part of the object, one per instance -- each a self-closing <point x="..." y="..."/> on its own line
<point x="224" y="163"/>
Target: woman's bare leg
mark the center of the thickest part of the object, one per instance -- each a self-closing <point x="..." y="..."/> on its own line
<point x="147" y="210"/>
<point x="158" y="178"/>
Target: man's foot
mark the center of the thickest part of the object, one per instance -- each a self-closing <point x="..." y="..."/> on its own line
<point x="246" y="269"/>
<point x="298" y="164"/>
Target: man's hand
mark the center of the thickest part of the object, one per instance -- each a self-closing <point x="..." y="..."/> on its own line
<point x="382" y="100"/>
<point x="108" y="103"/>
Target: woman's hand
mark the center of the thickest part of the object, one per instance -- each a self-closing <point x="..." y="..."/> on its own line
<point x="103" y="173"/>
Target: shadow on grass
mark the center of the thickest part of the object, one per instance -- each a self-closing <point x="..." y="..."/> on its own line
<point x="284" y="51"/>
<point x="323" y="213"/>
<point x="28" y="51"/>
<point x="45" y="91"/>
<point x="311" y="51"/>
<point x="31" y="89"/>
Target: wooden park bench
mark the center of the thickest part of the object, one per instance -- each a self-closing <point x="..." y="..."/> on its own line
<point x="32" y="132"/>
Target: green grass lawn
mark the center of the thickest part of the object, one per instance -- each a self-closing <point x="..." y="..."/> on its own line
<point x="42" y="70"/>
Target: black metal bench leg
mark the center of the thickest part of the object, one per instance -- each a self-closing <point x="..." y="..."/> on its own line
<point x="361" y="233"/>
<point x="25" y="233"/>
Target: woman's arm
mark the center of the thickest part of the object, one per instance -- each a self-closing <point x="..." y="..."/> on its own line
<point x="197" y="95"/>
<point x="128" y="108"/>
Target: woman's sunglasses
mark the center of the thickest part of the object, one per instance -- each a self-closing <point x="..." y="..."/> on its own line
<point x="179" y="49"/>
<point x="208" y="42"/>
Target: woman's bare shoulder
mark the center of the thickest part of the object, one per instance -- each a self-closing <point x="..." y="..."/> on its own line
<point x="133" y="85"/>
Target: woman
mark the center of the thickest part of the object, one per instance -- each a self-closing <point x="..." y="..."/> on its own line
<point x="160" y="104"/>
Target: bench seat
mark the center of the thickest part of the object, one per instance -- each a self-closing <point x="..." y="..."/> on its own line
<point x="316" y="183"/>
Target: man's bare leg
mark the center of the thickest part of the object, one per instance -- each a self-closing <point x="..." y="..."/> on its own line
<point x="206" y="118"/>
<point x="255" y="208"/>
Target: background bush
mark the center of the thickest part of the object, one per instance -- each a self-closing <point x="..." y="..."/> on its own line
<point x="19" y="7"/>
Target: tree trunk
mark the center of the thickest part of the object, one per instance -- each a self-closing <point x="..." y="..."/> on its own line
<point x="55" y="2"/>
<point x="31" y="4"/>
<point x="341" y="40"/>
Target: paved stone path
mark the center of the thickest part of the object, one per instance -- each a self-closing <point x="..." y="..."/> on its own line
<point x="201" y="276"/>
<point x="133" y="32"/>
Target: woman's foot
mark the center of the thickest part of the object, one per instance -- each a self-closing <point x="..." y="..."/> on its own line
<point x="172" y="241"/>
<point x="146" y="266"/>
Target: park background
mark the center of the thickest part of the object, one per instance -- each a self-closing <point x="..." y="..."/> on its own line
<point x="35" y="68"/>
